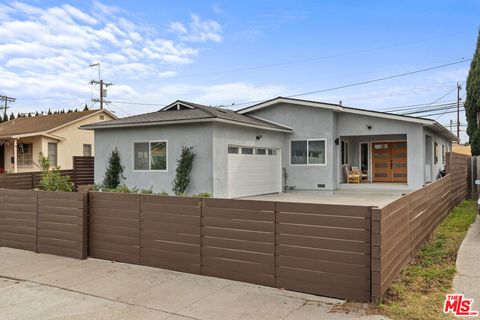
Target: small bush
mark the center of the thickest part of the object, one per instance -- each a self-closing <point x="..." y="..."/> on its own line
<point x="123" y="188"/>
<point x="163" y="193"/>
<point x="114" y="171"/>
<point x="51" y="178"/>
<point x="202" y="195"/>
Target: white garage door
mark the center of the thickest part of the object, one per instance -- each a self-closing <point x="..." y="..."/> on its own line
<point x="253" y="171"/>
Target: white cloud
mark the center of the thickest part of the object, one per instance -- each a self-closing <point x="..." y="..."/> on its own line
<point x="45" y="52"/>
<point x="198" y="30"/>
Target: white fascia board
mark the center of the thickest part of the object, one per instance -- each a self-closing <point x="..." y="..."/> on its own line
<point x="163" y="123"/>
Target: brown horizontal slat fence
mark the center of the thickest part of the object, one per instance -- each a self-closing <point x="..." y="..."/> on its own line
<point x="83" y="171"/>
<point x="114" y="226"/>
<point x="18" y="219"/>
<point x="324" y="249"/>
<point x="81" y="174"/>
<point x="239" y="240"/>
<point x="342" y="251"/>
<point x="400" y="228"/>
<point x="170" y="233"/>
<point x="48" y="222"/>
<point x="315" y="248"/>
<point x="61" y="223"/>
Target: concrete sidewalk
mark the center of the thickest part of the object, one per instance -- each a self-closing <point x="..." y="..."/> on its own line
<point x="40" y="286"/>
<point x="467" y="279"/>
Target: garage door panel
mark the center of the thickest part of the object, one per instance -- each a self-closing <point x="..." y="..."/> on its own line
<point x="253" y="174"/>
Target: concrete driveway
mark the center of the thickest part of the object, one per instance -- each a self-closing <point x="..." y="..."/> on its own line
<point x="375" y="198"/>
<point x="40" y="286"/>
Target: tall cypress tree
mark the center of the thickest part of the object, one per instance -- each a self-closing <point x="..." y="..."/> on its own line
<point x="472" y="103"/>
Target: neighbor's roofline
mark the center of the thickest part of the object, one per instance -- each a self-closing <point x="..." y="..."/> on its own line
<point x="48" y="133"/>
<point x="200" y="120"/>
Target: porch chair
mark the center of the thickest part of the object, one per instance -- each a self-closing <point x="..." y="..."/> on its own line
<point x="362" y="173"/>
<point x="351" y="176"/>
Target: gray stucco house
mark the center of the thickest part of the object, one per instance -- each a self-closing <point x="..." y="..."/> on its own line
<point x="275" y="144"/>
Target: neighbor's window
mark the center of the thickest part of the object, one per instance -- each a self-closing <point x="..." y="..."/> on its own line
<point x="307" y="152"/>
<point x="150" y="156"/>
<point x="52" y="154"/>
<point x="435" y="153"/>
<point x="87" y="150"/>
<point x="344" y="151"/>
<point x="25" y="154"/>
<point x="272" y="152"/>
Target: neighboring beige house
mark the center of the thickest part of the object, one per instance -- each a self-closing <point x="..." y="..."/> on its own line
<point x="57" y="136"/>
<point x="459" y="148"/>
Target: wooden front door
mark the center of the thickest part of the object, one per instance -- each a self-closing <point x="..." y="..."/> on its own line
<point x="389" y="161"/>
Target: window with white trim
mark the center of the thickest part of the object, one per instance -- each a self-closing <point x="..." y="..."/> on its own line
<point x="308" y="152"/>
<point x="150" y="156"/>
<point x="444" y="158"/>
<point x="435" y="152"/>
<point x="25" y="154"/>
<point x="53" y="154"/>
<point x="345" y="152"/>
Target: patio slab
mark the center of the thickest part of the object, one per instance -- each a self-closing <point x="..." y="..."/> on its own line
<point x="375" y="198"/>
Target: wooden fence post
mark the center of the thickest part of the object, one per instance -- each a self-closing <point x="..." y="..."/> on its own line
<point x="376" y="252"/>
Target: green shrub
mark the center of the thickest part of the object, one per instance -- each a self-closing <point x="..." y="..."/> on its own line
<point x="51" y="178"/>
<point x="114" y="171"/>
<point x="184" y="167"/>
<point x="123" y="188"/>
<point x="202" y="195"/>
<point x="163" y="193"/>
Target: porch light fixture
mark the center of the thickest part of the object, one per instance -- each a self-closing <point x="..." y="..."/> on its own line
<point x="369" y="126"/>
<point x="337" y="141"/>
<point x="258" y="137"/>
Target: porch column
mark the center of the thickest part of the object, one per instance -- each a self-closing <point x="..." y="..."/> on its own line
<point x="15" y="155"/>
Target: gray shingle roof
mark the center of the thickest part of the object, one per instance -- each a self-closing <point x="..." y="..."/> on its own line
<point x="198" y="112"/>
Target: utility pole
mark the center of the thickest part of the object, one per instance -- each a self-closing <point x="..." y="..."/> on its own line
<point x="459" y="87"/>
<point x="5" y="106"/>
<point x="451" y="125"/>
<point x="102" y="85"/>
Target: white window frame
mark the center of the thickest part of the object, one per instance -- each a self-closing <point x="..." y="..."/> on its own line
<point x="149" y="160"/>
<point x="307" y="164"/>
<point x="436" y="156"/>
<point x="347" y="144"/>
<point x="56" y="153"/>
<point x="83" y="149"/>
<point x="444" y="151"/>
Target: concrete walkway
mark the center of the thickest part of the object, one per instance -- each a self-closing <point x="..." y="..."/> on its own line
<point x="40" y="286"/>
<point x="467" y="279"/>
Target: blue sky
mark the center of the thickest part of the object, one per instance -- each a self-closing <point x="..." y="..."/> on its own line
<point x="225" y="52"/>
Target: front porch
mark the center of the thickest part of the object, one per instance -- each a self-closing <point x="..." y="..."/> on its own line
<point x="373" y="162"/>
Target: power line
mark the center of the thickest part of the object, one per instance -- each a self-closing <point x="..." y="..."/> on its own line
<point x="412" y="106"/>
<point x="141" y="103"/>
<point x="441" y="113"/>
<point x="367" y="81"/>
<point x="307" y="60"/>
<point x="462" y="60"/>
